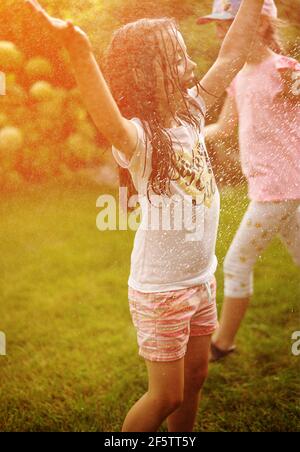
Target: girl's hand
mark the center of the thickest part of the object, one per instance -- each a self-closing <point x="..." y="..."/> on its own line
<point x="70" y="36"/>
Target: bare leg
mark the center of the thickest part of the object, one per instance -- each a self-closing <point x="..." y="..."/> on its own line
<point x="195" y="373"/>
<point x="165" y="394"/>
<point x="260" y="224"/>
<point x="233" y="312"/>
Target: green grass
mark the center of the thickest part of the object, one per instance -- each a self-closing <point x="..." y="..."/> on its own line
<point x="72" y="362"/>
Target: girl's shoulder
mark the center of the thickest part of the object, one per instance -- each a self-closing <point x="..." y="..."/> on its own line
<point x="271" y="66"/>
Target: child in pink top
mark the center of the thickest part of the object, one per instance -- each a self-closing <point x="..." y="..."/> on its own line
<point x="264" y="101"/>
<point x="269" y="132"/>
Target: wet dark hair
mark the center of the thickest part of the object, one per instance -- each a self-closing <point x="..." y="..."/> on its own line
<point x="130" y="71"/>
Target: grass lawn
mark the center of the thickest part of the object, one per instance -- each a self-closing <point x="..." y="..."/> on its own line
<point x="72" y="362"/>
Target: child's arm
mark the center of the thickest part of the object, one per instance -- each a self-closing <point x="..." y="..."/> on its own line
<point x="225" y="127"/>
<point x="97" y="97"/>
<point x="220" y="134"/>
<point x="234" y="51"/>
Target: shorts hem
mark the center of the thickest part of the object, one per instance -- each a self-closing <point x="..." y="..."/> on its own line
<point x="205" y="331"/>
<point x="161" y="358"/>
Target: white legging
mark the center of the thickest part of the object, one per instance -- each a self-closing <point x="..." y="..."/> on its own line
<point x="262" y="221"/>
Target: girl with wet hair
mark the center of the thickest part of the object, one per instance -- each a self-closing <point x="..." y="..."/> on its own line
<point x="151" y="109"/>
<point x="135" y="46"/>
<point x="264" y="100"/>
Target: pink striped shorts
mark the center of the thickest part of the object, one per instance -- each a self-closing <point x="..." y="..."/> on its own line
<point x="166" y="320"/>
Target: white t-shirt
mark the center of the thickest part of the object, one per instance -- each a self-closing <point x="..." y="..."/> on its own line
<point x="174" y="246"/>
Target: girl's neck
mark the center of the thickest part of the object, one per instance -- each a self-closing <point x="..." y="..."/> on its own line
<point x="259" y="53"/>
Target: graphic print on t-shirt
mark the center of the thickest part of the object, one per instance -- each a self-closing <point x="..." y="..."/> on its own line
<point x="195" y="175"/>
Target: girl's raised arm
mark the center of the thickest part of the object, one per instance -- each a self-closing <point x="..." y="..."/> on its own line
<point x="234" y="51"/>
<point x="96" y="95"/>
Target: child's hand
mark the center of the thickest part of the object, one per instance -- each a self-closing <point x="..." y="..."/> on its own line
<point x="70" y="36"/>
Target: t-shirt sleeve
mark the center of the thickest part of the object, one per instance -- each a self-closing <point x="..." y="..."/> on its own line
<point x="287" y="63"/>
<point x="289" y="72"/>
<point x="140" y="158"/>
